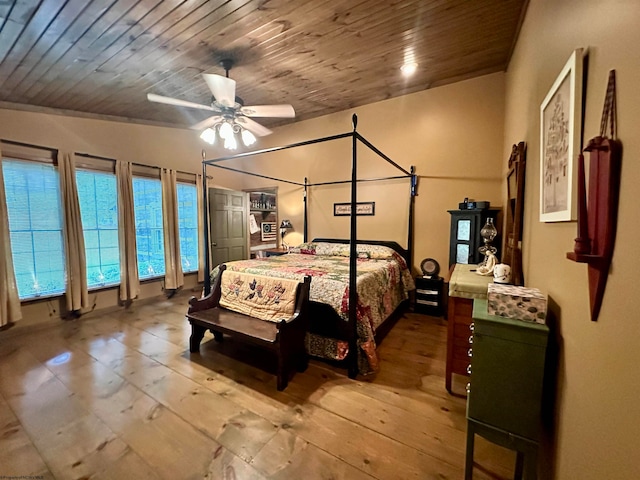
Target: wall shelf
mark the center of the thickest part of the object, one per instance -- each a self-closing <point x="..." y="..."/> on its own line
<point x="597" y="217"/>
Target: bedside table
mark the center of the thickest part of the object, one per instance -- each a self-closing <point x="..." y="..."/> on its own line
<point x="274" y="252"/>
<point x="428" y="296"/>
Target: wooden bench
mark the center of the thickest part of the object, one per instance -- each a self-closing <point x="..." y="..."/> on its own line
<point x="284" y="337"/>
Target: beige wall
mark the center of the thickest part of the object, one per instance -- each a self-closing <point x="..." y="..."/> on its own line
<point x="165" y="147"/>
<point x="597" y="411"/>
<point x="452" y="135"/>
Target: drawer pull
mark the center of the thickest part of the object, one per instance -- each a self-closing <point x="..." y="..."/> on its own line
<point x="426" y="292"/>
<point x="468" y="387"/>
<point x="470" y="338"/>
<point x="469" y="369"/>
<point x="427" y="302"/>
<point x="470" y="352"/>
<point x="472" y="326"/>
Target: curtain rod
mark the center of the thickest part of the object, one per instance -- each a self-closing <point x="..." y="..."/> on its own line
<point x="30" y="145"/>
<point x="88" y="155"/>
<point x="160" y="168"/>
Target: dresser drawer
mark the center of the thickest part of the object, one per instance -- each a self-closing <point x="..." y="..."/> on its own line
<point x="462" y="308"/>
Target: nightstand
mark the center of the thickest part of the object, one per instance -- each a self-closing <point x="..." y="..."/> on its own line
<point x="428" y="298"/>
<point x="274" y="252"/>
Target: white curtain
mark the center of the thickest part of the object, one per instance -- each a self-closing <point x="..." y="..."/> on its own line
<point x="9" y="301"/>
<point x="76" y="294"/>
<point x="173" y="275"/>
<point x="129" y="281"/>
<point x="201" y="226"/>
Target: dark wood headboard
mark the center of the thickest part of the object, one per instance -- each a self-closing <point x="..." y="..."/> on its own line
<point x="386" y="243"/>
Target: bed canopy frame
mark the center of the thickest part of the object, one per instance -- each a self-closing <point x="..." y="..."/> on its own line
<point x="352" y="357"/>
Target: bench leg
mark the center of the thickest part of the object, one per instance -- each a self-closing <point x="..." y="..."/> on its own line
<point x="197" y="334"/>
<point x="283" y="372"/>
<point x="517" y="475"/>
<point x="303" y="361"/>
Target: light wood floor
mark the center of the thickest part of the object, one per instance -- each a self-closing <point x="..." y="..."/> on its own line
<point x="119" y="396"/>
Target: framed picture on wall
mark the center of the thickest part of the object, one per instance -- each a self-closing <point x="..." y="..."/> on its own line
<point x="268" y="231"/>
<point x="362" y="208"/>
<point x="560" y="128"/>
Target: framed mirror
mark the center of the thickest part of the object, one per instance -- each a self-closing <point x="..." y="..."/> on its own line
<point x="515" y="211"/>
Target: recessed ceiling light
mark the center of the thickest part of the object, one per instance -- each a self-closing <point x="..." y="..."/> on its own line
<point x="409" y="69"/>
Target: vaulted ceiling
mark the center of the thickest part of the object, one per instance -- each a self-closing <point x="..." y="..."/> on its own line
<point x="101" y="57"/>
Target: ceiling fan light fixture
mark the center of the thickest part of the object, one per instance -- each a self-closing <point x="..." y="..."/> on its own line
<point x="226" y="130"/>
<point x="248" y="138"/>
<point x="230" y="143"/>
<point x="209" y="136"/>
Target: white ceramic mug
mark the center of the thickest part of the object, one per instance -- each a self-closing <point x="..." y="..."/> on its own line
<point x="502" y="273"/>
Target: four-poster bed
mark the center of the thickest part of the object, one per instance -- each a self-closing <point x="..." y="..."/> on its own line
<point x="393" y="261"/>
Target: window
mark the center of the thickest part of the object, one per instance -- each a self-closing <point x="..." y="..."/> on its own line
<point x="98" y="199"/>
<point x="188" y="226"/>
<point x="147" y="201"/>
<point x="32" y="192"/>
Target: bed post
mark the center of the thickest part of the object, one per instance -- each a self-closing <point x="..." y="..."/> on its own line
<point x="205" y="211"/>
<point x="353" y="294"/>
<point x="305" y="210"/>
<point x="411" y="215"/>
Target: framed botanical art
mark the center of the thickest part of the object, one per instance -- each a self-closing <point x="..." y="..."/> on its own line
<point x="560" y="127"/>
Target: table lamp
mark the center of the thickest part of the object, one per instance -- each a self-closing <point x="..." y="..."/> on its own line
<point x="284" y="226"/>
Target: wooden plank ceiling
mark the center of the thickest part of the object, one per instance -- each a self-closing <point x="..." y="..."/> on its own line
<point x="101" y="57"/>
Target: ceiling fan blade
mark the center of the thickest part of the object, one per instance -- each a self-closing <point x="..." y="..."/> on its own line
<point x="282" y="111"/>
<point x="180" y="103"/>
<point x="253" y="126"/>
<point x="223" y="88"/>
<point x="207" y="122"/>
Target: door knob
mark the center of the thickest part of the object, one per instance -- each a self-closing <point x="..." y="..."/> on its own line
<point x="214" y="244"/>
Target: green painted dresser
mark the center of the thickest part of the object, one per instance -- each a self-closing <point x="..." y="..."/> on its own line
<point x="505" y="390"/>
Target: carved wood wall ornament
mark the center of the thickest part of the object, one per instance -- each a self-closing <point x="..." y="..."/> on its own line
<point x="597" y="217"/>
<point x="515" y="211"/>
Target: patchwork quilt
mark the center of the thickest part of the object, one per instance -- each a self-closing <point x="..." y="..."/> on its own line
<point x="383" y="282"/>
<point x="257" y="296"/>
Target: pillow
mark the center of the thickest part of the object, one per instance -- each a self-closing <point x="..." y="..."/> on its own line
<point x="343" y="249"/>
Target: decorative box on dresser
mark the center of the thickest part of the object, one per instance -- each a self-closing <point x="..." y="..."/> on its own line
<point x="464" y="286"/>
<point x="504" y="399"/>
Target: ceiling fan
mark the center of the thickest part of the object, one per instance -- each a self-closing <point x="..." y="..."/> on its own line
<point x="230" y="116"/>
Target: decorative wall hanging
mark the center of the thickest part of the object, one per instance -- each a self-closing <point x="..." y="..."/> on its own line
<point x="268" y="231"/>
<point x="362" y="208"/>
<point x="560" y="122"/>
<point x="597" y="215"/>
